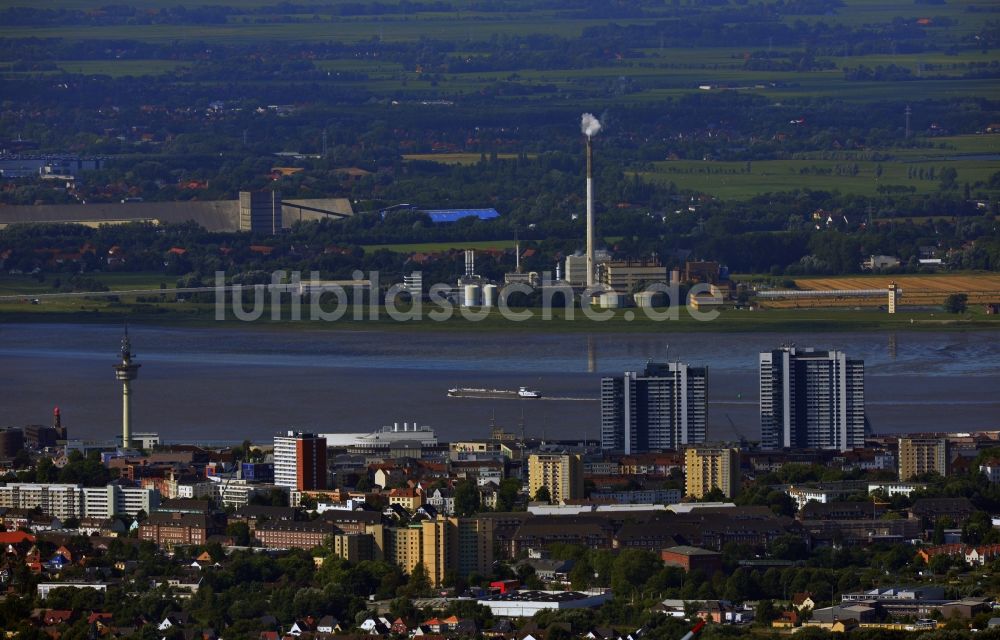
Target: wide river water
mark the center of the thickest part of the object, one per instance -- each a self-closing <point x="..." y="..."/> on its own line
<point x="208" y="384"/>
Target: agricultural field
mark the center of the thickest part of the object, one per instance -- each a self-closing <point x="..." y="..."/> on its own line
<point x="916" y="290"/>
<point x="740" y="180"/>
<point x="942" y="284"/>
<point x="27" y="285"/>
<point x="118" y="68"/>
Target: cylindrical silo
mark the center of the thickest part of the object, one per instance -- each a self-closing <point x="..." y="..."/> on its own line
<point x="471" y="298"/>
<point x="489" y="295"/>
<point x="648" y="299"/>
<point x="611" y="300"/>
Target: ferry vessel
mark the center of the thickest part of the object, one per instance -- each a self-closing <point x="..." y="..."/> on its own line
<point x="469" y="392"/>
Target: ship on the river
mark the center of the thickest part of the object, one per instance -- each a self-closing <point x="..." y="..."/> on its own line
<point x="469" y="392"/>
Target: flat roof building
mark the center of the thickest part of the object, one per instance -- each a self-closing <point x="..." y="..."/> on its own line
<point x="811" y="400"/>
<point x="708" y="468"/>
<point x="918" y="456"/>
<point x="300" y="461"/>
<point x="664" y="407"/>
<point x="524" y="604"/>
<point x="692" y="559"/>
<point x="561" y="473"/>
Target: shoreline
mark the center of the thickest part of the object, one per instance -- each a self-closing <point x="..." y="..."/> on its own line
<point x="729" y="321"/>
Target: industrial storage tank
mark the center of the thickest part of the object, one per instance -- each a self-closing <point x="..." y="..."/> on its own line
<point x="611" y="300"/>
<point x="471" y="297"/>
<point x="649" y="299"/>
<point x="489" y="295"/>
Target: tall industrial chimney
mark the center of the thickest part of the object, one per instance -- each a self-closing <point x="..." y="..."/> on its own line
<point x="590" y="212"/>
<point x="470" y="263"/>
<point x="590" y="126"/>
<point x="517" y="253"/>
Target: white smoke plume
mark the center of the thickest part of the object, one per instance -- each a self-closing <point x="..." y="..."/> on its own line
<point x="590" y="125"/>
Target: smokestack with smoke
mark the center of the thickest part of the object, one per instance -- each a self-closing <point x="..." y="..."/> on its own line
<point x="590" y="125"/>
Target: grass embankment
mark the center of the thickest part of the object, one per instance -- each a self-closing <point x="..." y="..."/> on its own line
<point x="823" y="314"/>
<point x="620" y="321"/>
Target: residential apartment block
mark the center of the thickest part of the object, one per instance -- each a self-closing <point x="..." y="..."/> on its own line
<point x="300" y="461"/>
<point x="663" y="407"/>
<point x="561" y="473"/>
<point x="918" y="456"/>
<point x="442" y="545"/>
<point x="811" y="400"/>
<point x="710" y="468"/>
<point x="74" y="501"/>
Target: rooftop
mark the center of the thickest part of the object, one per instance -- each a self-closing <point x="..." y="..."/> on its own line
<point x="541" y="596"/>
<point x="687" y="550"/>
<point x="452" y="215"/>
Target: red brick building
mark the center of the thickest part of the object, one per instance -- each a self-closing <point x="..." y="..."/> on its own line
<point x="290" y="534"/>
<point x="167" y="529"/>
<point x="692" y="559"/>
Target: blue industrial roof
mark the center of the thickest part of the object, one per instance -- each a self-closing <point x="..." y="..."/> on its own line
<point x="451" y="215"/>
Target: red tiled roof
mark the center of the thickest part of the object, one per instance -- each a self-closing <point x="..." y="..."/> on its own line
<point x="57" y="616"/>
<point x="15" y="537"/>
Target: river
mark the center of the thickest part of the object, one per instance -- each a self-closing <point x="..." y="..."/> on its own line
<point x="214" y="384"/>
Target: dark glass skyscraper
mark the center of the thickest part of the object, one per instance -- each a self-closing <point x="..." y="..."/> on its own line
<point x="664" y="407"/>
<point x="811" y="399"/>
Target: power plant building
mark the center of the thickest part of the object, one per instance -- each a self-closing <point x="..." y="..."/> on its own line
<point x="576" y="270"/>
<point x="664" y="407"/>
<point x="625" y="275"/>
<point x="811" y="399"/>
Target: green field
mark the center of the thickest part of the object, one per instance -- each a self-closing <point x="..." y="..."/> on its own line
<point x="119" y="68"/>
<point x="392" y="28"/>
<point x="731" y="180"/>
<point x="657" y="75"/>
<point x="628" y="320"/>
<point x="28" y="285"/>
